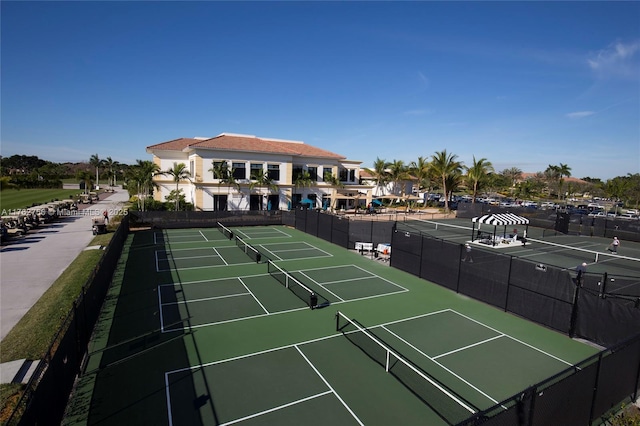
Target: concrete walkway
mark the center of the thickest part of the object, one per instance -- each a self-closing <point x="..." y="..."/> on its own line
<point x="30" y="264"/>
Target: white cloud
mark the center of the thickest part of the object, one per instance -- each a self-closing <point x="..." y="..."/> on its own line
<point x="618" y="59"/>
<point x="580" y="114"/>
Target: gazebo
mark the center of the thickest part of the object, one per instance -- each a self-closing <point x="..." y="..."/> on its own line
<point x="495" y="220"/>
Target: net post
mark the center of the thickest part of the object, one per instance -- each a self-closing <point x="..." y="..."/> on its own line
<point x="605" y="280"/>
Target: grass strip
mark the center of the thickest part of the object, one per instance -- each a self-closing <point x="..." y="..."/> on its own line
<point x="16" y="199"/>
<point x="32" y="335"/>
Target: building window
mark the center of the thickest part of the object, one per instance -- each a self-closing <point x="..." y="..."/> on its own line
<point x="239" y="170"/>
<point x="192" y="168"/>
<point x="313" y="173"/>
<point x="273" y="171"/>
<point x="219" y="169"/>
<point x="297" y="172"/>
<point x="344" y="175"/>
<point x="256" y="168"/>
<point x="352" y="175"/>
<point x="327" y="173"/>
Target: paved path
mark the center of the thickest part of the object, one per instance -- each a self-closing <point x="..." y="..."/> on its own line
<point x="29" y="265"/>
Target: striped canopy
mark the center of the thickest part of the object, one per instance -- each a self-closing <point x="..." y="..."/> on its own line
<point x="498" y="219"/>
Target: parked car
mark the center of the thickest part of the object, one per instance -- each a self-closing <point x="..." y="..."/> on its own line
<point x="628" y="216"/>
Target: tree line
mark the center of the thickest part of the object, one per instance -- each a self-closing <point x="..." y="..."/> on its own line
<point x="441" y="172"/>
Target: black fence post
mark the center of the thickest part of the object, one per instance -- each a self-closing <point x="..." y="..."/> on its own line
<point x="595" y="388"/>
<point x="574" y="307"/>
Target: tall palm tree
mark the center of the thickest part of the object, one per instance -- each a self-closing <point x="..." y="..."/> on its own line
<point x="454" y="180"/>
<point x="420" y="169"/>
<point x="111" y="167"/>
<point x="552" y="175"/>
<point x="141" y="176"/>
<point x="477" y="174"/>
<point x="513" y="174"/>
<point x="86" y="177"/>
<point x="563" y="170"/>
<point x="220" y="170"/>
<point x="397" y="173"/>
<point x="444" y="165"/>
<point x="96" y="162"/>
<point x="303" y="180"/>
<point x="262" y="180"/>
<point x="379" y="174"/>
<point x="178" y="173"/>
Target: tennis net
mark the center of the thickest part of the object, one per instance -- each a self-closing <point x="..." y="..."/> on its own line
<point x="429" y="225"/>
<point x="311" y="298"/>
<point x="225" y="231"/>
<point x="249" y="250"/>
<point x="450" y="406"/>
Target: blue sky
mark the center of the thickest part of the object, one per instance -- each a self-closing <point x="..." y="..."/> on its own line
<point x="522" y="84"/>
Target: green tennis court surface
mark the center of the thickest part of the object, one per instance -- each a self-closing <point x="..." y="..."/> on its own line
<point x="194" y="332"/>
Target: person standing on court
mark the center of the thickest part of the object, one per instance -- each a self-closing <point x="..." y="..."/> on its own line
<point x="467" y="253"/>
<point x="581" y="269"/>
<point x="613" y="247"/>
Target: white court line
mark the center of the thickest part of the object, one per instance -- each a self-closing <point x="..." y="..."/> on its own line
<point x="203" y="236"/>
<point x="371" y="275"/>
<point x="514" y="339"/>
<point x="219" y="255"/>
<point x="206" y="299"/>
<point x="329" y="386"/>
<point x="495" y="401"/>
<point x="253" y="295"/>
<point x="326" y="289"/>
<point x="271" y="410"/>
<point x="468" y="346"/>
<point x="160" y="310"/>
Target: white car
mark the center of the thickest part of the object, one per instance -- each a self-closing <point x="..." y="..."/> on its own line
<point x="628" y="216"/>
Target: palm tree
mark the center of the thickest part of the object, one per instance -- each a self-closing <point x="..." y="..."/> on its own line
<point x="220" y="170"/>
<point x="477" y="174"/>
<point x="111" y="170"/>
<point x="514" y="174"/>
<point x="445" y="165"/>
<point x="178" y="173"/>
<point x="453" y="181"/>
<point x="96" y="162"/>
<point x="260" y="179"/>
<point x="421" y="170"/>
<point x="379" y="173"/>
<point x="86" y="177"/>
<point x="563" y="170"/>
<point x="398" y="173"/>
<point x="141" y="175"/>
<point x="303" y="180"/>
<point x="552" y="175"/>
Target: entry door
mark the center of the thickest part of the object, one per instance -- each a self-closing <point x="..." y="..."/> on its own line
<point x="219" y="202"/>
<point x="255" y="202"/>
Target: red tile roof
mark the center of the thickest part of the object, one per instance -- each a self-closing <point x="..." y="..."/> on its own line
<point x="527" y="175"/>
<point x="231" y="142"/>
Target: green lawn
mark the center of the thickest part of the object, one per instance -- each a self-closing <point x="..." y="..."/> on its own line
<point x="11" y="199"/>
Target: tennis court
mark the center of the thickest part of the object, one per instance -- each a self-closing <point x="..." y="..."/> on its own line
<point x="547" y="247"/>
<point x="197" y="331"/>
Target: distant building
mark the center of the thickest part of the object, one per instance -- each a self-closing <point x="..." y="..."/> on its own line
<point x="247" y="157"/>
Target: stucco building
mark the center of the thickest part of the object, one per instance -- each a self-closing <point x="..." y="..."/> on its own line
<point x="263" y="173"/>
